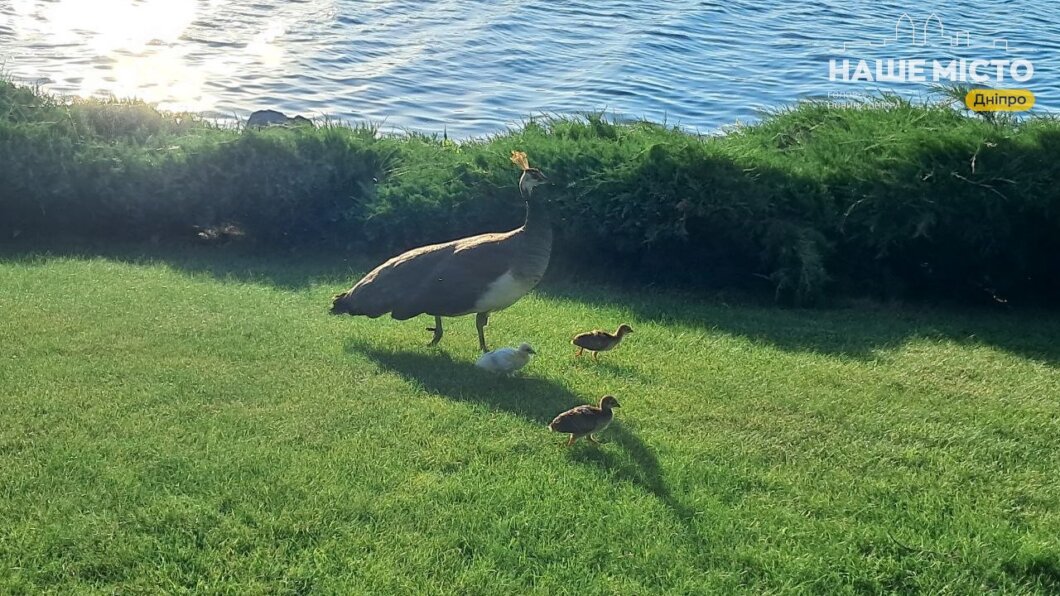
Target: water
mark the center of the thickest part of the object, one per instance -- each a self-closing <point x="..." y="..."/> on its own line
<point x="473" y="67"/>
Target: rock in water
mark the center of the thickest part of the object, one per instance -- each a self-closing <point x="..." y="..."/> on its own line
<point x="263" y="118"/>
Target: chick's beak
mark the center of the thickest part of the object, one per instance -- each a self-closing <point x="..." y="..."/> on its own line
<point x="531" y="350"/>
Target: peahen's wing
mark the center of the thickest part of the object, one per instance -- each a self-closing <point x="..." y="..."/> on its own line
<point x="439" y="279"/>
<point x="456" y="283"/>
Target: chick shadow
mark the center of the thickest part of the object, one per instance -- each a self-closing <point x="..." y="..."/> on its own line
<point x="536" y="400"/>
<point x="616" y="369"/>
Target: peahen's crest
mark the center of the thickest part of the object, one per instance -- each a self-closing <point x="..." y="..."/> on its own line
<point x="519" y="159"/>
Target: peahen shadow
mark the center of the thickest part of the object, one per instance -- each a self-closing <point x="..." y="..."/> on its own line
<point x="537" y="400"/>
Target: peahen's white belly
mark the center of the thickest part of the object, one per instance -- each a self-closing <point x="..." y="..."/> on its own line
<point x="505" y="291"/>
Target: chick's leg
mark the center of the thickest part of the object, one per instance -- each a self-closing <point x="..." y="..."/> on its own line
<point x="592" y="439"/>
<point x="571" y="440"/>
<point x="580" y="350"/>
<point x="437" y="329"/>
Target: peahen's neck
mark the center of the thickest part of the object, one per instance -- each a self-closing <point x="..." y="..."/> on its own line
<point x="537" y="222"/>
<point x="536" y="245"/>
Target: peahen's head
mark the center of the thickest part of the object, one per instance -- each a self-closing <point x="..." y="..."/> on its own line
<point x="531" y="176"/>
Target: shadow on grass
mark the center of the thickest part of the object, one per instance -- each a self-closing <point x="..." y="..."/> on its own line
<point x="288" y="270"/>
<point x="857" y="332"/>
<point x="607" y="364"/>
<point x="537" y="400"/>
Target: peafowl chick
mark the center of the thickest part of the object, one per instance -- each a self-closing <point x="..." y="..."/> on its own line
<point x="599" y="340"/>
<point x="506" y="360"/>
<point x="585" y="421"/>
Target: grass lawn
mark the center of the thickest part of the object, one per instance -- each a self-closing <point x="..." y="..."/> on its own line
<point x="194" y="421"/>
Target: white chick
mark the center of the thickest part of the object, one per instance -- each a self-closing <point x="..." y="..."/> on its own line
<point x="506" y="360"/>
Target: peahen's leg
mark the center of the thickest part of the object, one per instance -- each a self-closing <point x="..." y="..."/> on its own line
<point x="481" y="320"/>
<point x="437" y="329"/>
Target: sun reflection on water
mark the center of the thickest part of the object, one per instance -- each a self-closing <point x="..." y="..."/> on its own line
<point x="109" y="25"/>
<point x="138" y="48"/>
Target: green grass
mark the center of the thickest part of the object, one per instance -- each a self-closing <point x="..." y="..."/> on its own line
<point x="193" y="421"/>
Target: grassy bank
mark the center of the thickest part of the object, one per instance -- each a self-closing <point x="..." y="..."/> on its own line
<point x="894" y="200"/>
<point x="194" y="421"/>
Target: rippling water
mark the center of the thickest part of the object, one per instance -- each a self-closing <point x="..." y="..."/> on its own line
<point x="472" y="67"/>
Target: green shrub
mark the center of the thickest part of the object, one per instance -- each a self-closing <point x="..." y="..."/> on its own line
<point x="893" y="200"/>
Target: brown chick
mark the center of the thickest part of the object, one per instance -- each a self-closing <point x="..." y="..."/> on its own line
<point x="599" y="340"/>
<point x="585" y="421"/>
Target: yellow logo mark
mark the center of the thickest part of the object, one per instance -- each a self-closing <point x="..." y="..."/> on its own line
<point x="999" y="100"/>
